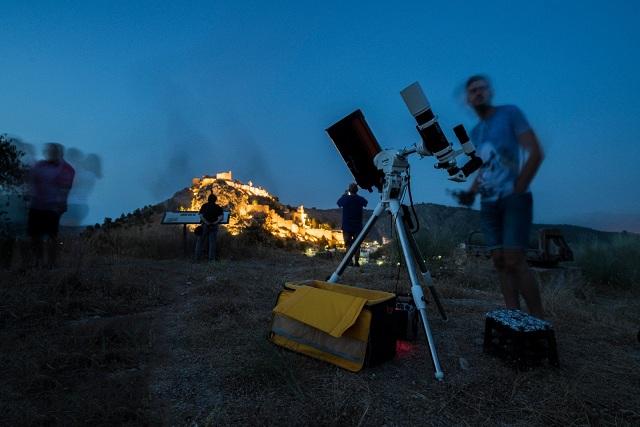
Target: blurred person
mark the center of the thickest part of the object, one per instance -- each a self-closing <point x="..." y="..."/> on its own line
<point x="28" y="151"/>
<point x="50" y="181"/>
<point x="352" y="208"/>
<point x="512" y="155"/>
<point x="211" y="215"/>
<point x="88" y="171"/>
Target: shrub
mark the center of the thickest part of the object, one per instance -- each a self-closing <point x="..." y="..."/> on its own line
<point x="612" y="264"/>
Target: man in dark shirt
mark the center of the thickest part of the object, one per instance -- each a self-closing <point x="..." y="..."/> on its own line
<point x="211" y="215"/>
<point x="352" y="206"/>
<point x="50" y="181"/>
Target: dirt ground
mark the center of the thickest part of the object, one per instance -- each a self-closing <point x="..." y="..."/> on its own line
<point x="139" y="342"/>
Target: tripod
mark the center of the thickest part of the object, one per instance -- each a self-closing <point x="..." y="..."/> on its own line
<point x="396" y="181"/>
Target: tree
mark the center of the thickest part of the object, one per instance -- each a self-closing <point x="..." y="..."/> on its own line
<point x="12" y="170"/>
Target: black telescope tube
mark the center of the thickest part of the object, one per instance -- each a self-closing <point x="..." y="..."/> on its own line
<point x="424" y="116"/>
<point x="432" y="136"/>
<point x="461" y="134"/>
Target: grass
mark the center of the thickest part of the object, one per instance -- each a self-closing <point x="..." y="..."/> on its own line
<point x="128" y="332"/>
<point x="595" y="384"/>
<point x="612" y="264"/>
<point x="75" y="341"/>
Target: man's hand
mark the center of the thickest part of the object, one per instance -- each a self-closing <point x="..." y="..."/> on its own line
<point x="519" y="187"/>
<point x="530" y="143"/>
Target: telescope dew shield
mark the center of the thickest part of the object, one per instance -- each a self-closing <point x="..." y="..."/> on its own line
<point x="358" y="146"/>
<point x="465" y="142"/>
<point x="434" y="142"/>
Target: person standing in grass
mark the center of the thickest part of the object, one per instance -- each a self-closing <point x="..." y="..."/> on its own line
<point x="511" y="156"/>
<point x="50" y="181"/>
<point x="352" y="207"/>
<point x="211" y="215"/>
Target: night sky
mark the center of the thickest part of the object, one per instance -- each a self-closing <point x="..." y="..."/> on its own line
<point x="166" y="91"/>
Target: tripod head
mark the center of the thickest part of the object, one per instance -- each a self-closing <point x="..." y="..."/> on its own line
<point x="395" y="167"/>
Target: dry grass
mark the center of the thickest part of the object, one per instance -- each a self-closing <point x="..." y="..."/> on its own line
<point x="262" y="384"/>
<point x="75" y="341"/>
<point x="111" y="339"/>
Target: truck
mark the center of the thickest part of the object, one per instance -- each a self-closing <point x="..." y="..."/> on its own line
<point x="552" y="248"/>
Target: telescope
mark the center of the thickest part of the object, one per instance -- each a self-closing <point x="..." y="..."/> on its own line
<point x="388" y="171"/>
<point x="434" y="142"/>
<point x="359" y="148"/>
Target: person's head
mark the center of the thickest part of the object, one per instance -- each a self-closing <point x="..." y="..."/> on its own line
<point x="53" y="152"/>
<point x="353" y="188"/>
<point x="479" y="92"/>
<point x="212" y="198"/>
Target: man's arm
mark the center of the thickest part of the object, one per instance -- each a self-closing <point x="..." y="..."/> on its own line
<point x="68" y="182"/>
<point x="529" y="142"/>
<point x="203" y="220"/>
<point x="219" y="218"/>
<point x="467" y="198"/>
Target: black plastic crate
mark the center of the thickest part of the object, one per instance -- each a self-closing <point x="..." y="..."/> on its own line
<point x="521" y="338"/>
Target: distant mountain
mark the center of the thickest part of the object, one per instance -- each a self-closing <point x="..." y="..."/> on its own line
<point x="608" y="221"/>
<point x="440" y="222"/>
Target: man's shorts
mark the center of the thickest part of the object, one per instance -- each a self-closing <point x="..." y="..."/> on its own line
<point x="506" y="223"/>
<point x="43" y="223"/>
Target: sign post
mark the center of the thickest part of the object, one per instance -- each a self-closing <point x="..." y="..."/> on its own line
<point x="185" y="218"/>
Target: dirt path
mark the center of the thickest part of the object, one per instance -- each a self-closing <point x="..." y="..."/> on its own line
<point x="181" y="385"/>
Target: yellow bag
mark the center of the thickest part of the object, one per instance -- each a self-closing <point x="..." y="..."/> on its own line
<point x="349" y="327"/>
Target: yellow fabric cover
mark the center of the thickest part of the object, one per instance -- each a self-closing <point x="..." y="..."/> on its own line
<point x="359" y="330"/>
<point x="372" y="297"/>
<point x="328" y="311"/>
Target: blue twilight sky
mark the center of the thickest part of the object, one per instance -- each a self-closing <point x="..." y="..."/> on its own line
<point x="164" y="91"/>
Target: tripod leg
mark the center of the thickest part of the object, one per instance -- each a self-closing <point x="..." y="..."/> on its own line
<point x="416" y="289"/>
<point x="356" y="244"/>
<point x="426" y="275"/>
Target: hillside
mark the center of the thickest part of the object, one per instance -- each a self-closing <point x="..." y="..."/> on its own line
<point x="457" y="223"/>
